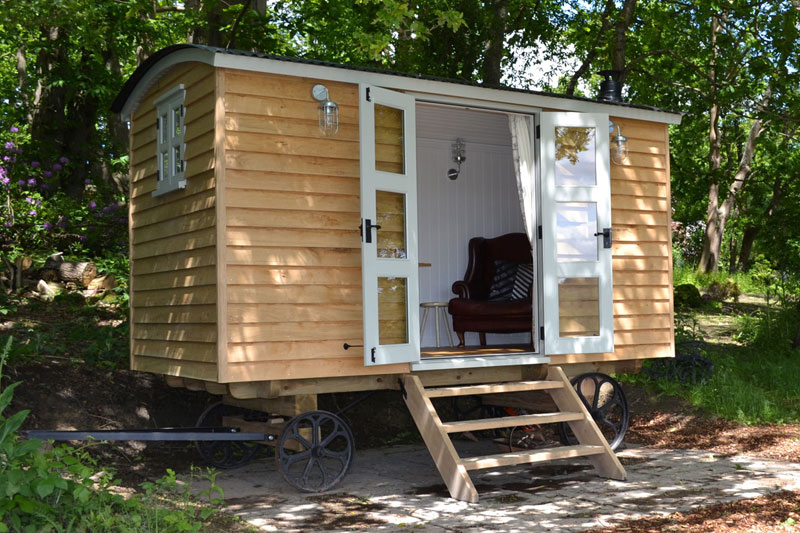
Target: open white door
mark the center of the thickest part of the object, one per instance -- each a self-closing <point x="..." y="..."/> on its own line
<point x="389" y="226"/>
<point x="576" y="233"/>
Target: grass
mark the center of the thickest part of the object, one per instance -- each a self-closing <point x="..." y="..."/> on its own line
<point x="756" y="376"/>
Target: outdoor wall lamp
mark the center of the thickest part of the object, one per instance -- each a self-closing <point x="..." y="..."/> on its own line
<point x="619" y="145"/>
<point x="459" y="156"/>
<point x="328" y="111"/>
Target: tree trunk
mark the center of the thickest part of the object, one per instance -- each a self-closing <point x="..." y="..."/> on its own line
<point x="620" y="39"/>
<point x="495" y="45"/>
<point x="748" y="238"/>
<point x="605" y="19"/>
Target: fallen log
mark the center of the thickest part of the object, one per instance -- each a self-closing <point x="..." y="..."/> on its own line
<point x="81" y="273"/>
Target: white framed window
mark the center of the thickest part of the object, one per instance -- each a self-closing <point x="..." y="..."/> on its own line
<point x="170" y="131"/>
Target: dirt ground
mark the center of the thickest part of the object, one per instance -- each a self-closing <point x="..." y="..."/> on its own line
<point x="65" y="395"/>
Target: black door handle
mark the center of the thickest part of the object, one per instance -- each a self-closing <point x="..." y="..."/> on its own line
<point x="606" y="233"/>
<point x="368" y="225"/>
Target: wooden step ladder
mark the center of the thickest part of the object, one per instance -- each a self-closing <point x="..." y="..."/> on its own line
<point x="454" y="469"/>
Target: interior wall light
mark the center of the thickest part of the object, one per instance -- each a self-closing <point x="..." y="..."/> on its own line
<point x="328" y="111"/>
<point x="459" y="156"/>
<point x="619" y="144"/>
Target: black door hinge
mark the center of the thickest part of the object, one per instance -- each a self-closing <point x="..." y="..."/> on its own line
<point x="541" y="333"/>
<point x="538" y="131"/>
<point x="369" y="96"/>
<point x="540" y="232"/>
<point x="373" y="354"/>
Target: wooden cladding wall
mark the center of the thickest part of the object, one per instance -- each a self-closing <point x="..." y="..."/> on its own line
<point x="642" y="260"/>
<point x="293" y="249"/>
<point x="173" y="258"/>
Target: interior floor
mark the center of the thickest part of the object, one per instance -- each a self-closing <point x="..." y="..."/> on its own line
<point x="453" y="351"/>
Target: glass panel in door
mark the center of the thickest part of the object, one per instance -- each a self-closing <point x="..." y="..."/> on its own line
<point x="578" y="307"/>
<point x="389" y="135"/>
<point x="576" y="225"/>
<point x="575" y="157"/>
<point x="391" y="212"/>
<point x="392" y="310"/>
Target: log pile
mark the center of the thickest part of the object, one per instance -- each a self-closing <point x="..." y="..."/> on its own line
<point x="56" y="275"/>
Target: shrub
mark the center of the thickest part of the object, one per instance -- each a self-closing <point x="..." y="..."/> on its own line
<point x="719" y="291"/>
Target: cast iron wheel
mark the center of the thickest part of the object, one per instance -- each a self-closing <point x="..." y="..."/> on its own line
<point x="319" y="454"/>
<point x="226" y="454"/>
<point x="604" y="398"/>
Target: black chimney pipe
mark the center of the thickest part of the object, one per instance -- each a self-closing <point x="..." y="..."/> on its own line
<point x="610" y="88"/>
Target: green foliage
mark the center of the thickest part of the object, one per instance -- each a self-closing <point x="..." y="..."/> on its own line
<point x="63" y="490"/>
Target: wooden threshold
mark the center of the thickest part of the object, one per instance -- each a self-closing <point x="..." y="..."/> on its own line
<point x="455" y="351"/>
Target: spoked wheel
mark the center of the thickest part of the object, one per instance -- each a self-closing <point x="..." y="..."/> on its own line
<point x="604" y="398"/>
<point x="226" y="454"/>
<point x="315" y="451"/>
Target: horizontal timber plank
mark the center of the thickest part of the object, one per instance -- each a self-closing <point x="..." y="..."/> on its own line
<point x="640" y="263"/>
<point x="640" y="218"/>
<point x="274" y="218"/>
<point x="186" y="369"/>
<point x="198" y="220"/>
<point x="641" y="322"/>
<point x="333" y="148"/>
<point x="637" y="174"/>
<point x="645" y="249"/>
<point x="293" y="127"/>
<point x="141" y="191"/>
<point x="312" y="238"/>
<point x="511" y="421"/>
<point x="188" y="296"/>
<point x="175" y="333"/>
<point x="302" y="294"/>
<point x="640" y="160"/>
<point x="145" y="213"/>
<point x="637" y="203"/>
<point x="641" y="293"/>
<point x="638" y="129"/>
<point x="187" y="314"/>
<point x="646" y="307"/>
<point x="244" y="82"/>
<point x="259" y="199"/>
<point x="323" y="166"/>
<point x="537" y="456"/>
<point x="646" y="146"/>
<point x="198" y="258"/>
<point x="306" y="109"/>
<point x="633" y="188"/>
<point x="644" y="336"/>
<point x="292" y="312"/>
<point x="200" y="125"/>
<point x="241" y="275"/>
<point x="311" y="368"/>
<point x="295" y="331"/>
<point x="192" y="277"/>
<point x="641" y="233"/>
<point x="178" y="243"/>
<point x="292" y="351"/>
<point x="197" y="146"/>
<point x="293" y="256"/>
<point x="492" y="388"/>
<point x="290" y="182"/>
<point x="179" y="351"/>
<point x="641" y="278"/>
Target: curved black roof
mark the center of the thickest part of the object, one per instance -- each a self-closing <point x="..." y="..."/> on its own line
<point x="136" y="77"/>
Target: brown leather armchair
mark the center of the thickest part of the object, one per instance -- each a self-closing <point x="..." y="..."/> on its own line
<point x="472" y="310"/>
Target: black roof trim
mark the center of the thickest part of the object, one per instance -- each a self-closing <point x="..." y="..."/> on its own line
<point x="127" y="89"/>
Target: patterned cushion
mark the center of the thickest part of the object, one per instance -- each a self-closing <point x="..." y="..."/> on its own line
<point x="522" y="282"/>
<point x="505" y="273"/>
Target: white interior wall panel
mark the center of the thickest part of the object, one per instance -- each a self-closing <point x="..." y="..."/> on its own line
<point x="482" y="202"/>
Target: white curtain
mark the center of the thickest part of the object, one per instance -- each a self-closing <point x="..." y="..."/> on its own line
<point x="522" y="150"/>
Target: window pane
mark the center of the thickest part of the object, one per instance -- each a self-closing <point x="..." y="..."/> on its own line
<point x="176" y="121"/>
<point x="164" y="166"/>
<point x="163" y="128"/>
<point x="575" y="157"/>
<point x="392" y="311"/>
<point x="578" y="307"/>
<point x="391" y="212"/>
<point x="176" y="156"/>
<point x="389" y="156"/>
<point x="576" y="225"/>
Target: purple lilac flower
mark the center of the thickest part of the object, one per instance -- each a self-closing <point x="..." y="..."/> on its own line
<point x="29" y="199"/>
<point x="57" y="167"/>
<point x="6" y="158"/>
<point x="92" y="205"/>
<point x="47" y="174"/>
<point x="87" y="181"/>
<point x="107" y="209"/>
<point x="32" y="182"/>
<point x="4" y="180"/>
<point x="64" y="160"/>
<point x="13" y="129"/>
<point x="35" y="164"/>
<point x="122" y="221"/>
<point x="48" y="226"/>
<point x="9" y="145"/>
<point x="21" y="183"/>
<point x="32" y="212"/>
<point x="38" y="203"/>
